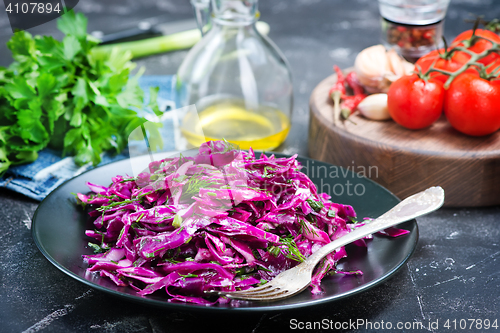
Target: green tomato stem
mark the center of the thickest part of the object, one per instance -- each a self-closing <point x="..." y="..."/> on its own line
<point x="471" y="62"/>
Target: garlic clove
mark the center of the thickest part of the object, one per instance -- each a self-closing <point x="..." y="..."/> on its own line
<point x="396" y="63"/>
<point x="409" y="68"/>
<point x="399" y="66"/>
<point x="374" y="107"/>
<point x="377" y="68"/>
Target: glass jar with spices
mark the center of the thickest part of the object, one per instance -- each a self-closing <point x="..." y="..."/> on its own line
<point x="413" y="27"/>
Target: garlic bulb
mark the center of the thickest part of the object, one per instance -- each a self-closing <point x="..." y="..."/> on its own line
<point x="377" y="68"/>
<point x="375" y="107"/>
<point x="370" y="66"/>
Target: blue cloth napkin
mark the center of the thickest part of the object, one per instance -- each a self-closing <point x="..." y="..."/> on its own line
<point x="36" y="180"/>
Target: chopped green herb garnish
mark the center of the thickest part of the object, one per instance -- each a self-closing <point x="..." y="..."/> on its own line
<point x="194" y="184"/>
<point x="128" y="180"/>
<point x="316" y="205"/>
<point x="304" y="225"/>
<point x="97" y="248"/>
<point x="177" y="221"/>
<point x="171" y="260"/>
<point x="288" y="248"/>
<point x="116" y="203"/>
<point x="189" y="275"/>
<point x="352" y="220"/>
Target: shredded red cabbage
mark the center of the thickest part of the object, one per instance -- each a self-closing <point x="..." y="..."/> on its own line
<point x="222" y="220"/>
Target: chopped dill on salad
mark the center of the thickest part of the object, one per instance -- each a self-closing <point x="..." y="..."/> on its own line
<point x="221" y="220"/>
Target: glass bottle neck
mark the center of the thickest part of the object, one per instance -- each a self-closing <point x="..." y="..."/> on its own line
<point x="235" y="12"/>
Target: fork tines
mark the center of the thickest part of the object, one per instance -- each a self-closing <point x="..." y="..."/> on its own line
<point x="255" y="294"/>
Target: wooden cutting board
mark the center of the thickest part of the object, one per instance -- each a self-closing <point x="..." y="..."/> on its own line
<point x="407" y="161"/>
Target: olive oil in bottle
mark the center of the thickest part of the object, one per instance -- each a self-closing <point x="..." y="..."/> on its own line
<point x="237" y="79"/>
<point x="262" y="129"/>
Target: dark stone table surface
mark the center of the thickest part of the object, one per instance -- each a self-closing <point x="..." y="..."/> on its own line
<point x="454" y="273"/>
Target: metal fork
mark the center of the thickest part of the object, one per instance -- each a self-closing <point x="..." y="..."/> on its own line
<point x="296" y="279"/>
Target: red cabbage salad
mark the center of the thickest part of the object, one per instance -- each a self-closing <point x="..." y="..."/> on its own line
<point x="221" y="220"/>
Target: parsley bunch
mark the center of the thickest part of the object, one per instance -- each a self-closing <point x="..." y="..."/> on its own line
<point x="59" y="94"/>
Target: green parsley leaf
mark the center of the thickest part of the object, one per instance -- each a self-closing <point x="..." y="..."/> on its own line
<point x="73" y="24"/>
<point x="59" y="94"/>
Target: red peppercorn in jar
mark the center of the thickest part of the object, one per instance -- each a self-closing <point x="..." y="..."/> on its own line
<point x="412" y="27"/>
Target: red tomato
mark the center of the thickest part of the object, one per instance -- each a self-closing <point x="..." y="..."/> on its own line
<point x="415" y="103"/>
<point x="450" y="63"/>
<point x="472" y="104"/>
<point x="480" y="45"/>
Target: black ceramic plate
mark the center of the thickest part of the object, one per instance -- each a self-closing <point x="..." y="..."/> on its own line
<point x="59" y="224"/>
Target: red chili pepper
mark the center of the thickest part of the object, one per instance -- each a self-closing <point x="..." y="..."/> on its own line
<point x="339" y="86"/>
<point x="349" y="104"/>
<point x="337" y="92"/>
<point x="353" y="82"/>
